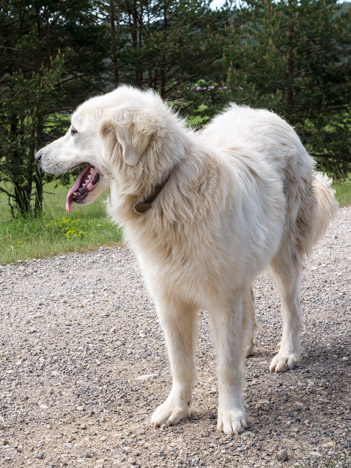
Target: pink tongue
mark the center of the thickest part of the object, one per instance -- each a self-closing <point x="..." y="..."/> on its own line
<point x="77" y="184"/>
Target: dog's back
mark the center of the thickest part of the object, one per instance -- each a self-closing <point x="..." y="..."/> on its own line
<point x="310" y="202"/>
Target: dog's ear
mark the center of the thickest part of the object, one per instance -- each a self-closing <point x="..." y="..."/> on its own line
<point x="133" y="131"/>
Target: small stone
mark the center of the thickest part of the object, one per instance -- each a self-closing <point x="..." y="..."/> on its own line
<point x="328" y="444"/>
<point x="146" y="376"/>
<point x="39" y="455"/>
<point x="314" y="453"/>
<point x="282" y="455"/>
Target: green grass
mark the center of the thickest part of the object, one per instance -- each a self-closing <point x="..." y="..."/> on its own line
<point x="55" y="232"/>
<point x="87" y="227"/>
<point x="343" y="192"/>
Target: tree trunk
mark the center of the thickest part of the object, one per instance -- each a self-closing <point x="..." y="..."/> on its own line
<point x="163" y="79"/>
<point x="38" y="180"/>
<point x="114" y="56"/>
<point x="38" y="176"/>
<point x="291" y="62"/>
<point x="20" y="184"/>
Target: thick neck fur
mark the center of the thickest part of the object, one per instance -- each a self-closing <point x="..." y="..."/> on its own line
<point x="161" y="161"/>
<point x="190" y="176"/>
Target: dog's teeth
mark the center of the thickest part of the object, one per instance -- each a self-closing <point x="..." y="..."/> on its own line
<point x="91" y="170"/>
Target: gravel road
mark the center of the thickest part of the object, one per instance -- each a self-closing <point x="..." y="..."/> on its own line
<point x="83" y="366"/>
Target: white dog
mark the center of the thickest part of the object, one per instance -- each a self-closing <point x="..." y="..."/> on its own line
<point x="205" y="213"/>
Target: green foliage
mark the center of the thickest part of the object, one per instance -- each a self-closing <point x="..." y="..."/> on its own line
<point x="200" y="116"/>
<point x="24" y="100"/>
<point x="293" y="58"/>
<point x="164" y="45"/>
<point x="41" y="50"/>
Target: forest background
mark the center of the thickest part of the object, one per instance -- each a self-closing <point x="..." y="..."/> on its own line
<point x="289" y="56"/>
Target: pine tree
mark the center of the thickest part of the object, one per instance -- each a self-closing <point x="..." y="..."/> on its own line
<point x="293" y="57"/>
<point x="48" y="50"/>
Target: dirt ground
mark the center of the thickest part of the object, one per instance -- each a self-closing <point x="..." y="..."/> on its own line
<point x="83" y="365"/>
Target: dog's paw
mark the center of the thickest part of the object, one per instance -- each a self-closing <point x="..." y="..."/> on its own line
<point x="232" y="421"/>
<point x="283" y="362"/>
<point x="169" y="413"/>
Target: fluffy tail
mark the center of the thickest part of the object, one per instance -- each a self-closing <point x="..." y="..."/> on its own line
<point x="327" y="206"/>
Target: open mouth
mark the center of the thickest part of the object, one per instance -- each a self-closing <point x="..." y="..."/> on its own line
<point x="85" y="183"/>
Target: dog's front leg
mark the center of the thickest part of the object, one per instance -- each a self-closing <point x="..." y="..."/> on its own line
<point x="227" y="322"/>
<point x="179" y="323"/>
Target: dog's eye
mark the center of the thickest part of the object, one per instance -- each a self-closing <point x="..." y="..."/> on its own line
<point x="74" y="131"/>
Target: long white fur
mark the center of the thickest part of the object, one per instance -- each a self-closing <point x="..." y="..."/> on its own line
<point x="242" y="195"/>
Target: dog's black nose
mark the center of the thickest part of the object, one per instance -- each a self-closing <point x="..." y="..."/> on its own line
<point x="38" y="156"/>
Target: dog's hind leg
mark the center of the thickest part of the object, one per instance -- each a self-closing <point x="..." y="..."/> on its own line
<point x="179" y="323"/>
<point x="285" y="269"/>
<point x="227" y="318"/>
<point x="249" y="323"/>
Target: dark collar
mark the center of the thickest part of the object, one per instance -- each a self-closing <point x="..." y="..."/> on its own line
<point x="145" y="205"/>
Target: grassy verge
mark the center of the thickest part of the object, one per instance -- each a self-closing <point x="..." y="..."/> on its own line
<point x="343" y="192"/>
<point x="87" y="227"/>
<point x="55" y="232"/>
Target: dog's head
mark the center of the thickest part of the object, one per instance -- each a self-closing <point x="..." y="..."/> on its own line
<point x="127" y="136"/>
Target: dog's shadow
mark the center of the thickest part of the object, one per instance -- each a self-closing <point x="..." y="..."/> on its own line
<point x="312" y="394"/>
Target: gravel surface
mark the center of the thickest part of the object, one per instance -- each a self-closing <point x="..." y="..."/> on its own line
<point x="83" y="366"/>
